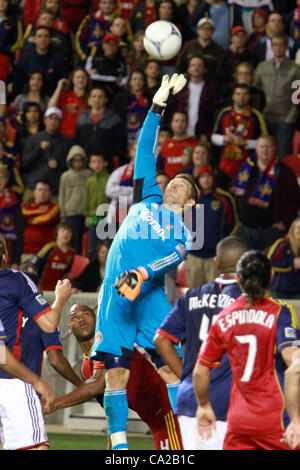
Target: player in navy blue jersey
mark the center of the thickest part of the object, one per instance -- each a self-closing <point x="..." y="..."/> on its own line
<point x="33" y="343"/>
<point x="20" y="408"/>
<point x="190" y="320"/>
<point x="151" y="241"/>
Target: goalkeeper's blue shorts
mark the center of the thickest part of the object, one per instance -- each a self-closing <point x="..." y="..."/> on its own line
<point x="122" y="323"/>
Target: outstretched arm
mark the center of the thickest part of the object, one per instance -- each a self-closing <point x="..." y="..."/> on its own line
<point x="86" y="391"/>
<point x="145" y="185"/>
<point x="59" y="362"/>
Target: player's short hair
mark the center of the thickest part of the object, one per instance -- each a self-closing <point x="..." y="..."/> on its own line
<point x="228" y="252"/>
<point x="194" y="192"/>
<point x="254" y="270"/>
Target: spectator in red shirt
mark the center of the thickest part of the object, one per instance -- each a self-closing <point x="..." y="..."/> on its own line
<point x="171" y="153"/>
<point x="41" y="216"/>
<point x="53" y="262"/>
<point x="71" y="96"/>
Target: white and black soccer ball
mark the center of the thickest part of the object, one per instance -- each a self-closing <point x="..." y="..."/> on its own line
<point x="162" y="40"/>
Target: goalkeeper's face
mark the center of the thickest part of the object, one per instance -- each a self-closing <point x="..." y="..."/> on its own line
<point x="178" y="193"/>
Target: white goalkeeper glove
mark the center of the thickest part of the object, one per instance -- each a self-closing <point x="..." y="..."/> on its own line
<point x="173" y="85"/>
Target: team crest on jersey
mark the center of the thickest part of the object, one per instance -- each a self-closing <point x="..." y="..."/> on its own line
<point x="41" y="300"/>
<point x="215" y="205"/>
<point x="98" y="337"/>
<point x="290" y="333"/>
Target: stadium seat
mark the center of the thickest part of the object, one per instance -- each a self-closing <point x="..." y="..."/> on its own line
<point x="180" y="280"/>
<point x="78" y="266"/>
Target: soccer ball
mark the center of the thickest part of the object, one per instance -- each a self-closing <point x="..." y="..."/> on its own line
<point x="162" y="40"/>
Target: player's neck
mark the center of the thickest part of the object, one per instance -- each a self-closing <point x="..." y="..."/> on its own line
<point x="227" y="275"/>
<point x="86" y="346"/>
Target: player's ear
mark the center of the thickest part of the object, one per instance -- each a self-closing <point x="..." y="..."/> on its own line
<point x="217" y="262"/>
<point x="191" y="202"/>
<point x="238" y="280"/>
<point x="272" y="274"/>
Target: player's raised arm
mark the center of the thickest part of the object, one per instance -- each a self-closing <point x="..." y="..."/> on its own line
<point x="145" y="185"/>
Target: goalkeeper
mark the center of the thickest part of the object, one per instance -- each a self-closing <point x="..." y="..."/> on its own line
<point x="151" y="240"/>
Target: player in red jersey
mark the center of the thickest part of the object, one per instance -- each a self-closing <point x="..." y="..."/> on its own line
<point x="146" y="391"/>
<point x="258" y="333"/>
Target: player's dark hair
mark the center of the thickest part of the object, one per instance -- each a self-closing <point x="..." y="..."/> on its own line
<point x="254" y="270"/>
<point x="228" y="252"/>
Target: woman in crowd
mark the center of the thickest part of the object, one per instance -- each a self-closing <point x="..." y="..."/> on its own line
<point x="30" y="121"/>
<point x="33" y="91"/>
<point x="71" y="96"/>
<point x="91" y="278"/>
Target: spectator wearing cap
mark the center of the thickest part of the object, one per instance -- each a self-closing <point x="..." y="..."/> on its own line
<point x="71" y="190"/>
<point x="108" y="67"/>
<point x="263" y="49"/>
<point x="236" y="53"/>
<point x="236" y="130"/>
<point x="39" y="57"/>
<point x="258" y="31"/>
<point x="220" y="219"/>
<point x="44" y="155"/>
<point x="197" y="99"/>
<point x="203" y="46"/>
<point x="223" y="16"/>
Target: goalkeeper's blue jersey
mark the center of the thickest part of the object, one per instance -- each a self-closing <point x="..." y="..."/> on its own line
<point x="151" y="236"/>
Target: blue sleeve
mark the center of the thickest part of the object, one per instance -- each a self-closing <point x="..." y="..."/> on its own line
<point x="162" y="265"/>
<point x="30" y="300"/>
<point x="51" y="340"/>
<point x="144" y="179"/>
<point x="174" y="325"/>
<point x="287" y="327"/>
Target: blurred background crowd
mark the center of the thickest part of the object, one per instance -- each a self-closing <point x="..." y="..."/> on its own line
<point x="79" y="84"/>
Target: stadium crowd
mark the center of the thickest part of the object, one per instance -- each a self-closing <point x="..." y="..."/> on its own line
<point x="79" y="84"/>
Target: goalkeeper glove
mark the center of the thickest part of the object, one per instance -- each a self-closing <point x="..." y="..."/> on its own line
<point x="173" y="85"/>
<point x="129" y="283"/>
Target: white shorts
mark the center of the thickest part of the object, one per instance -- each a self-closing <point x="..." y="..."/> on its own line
<point x="192" y="441"/>
<point x="21" y="416"/>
